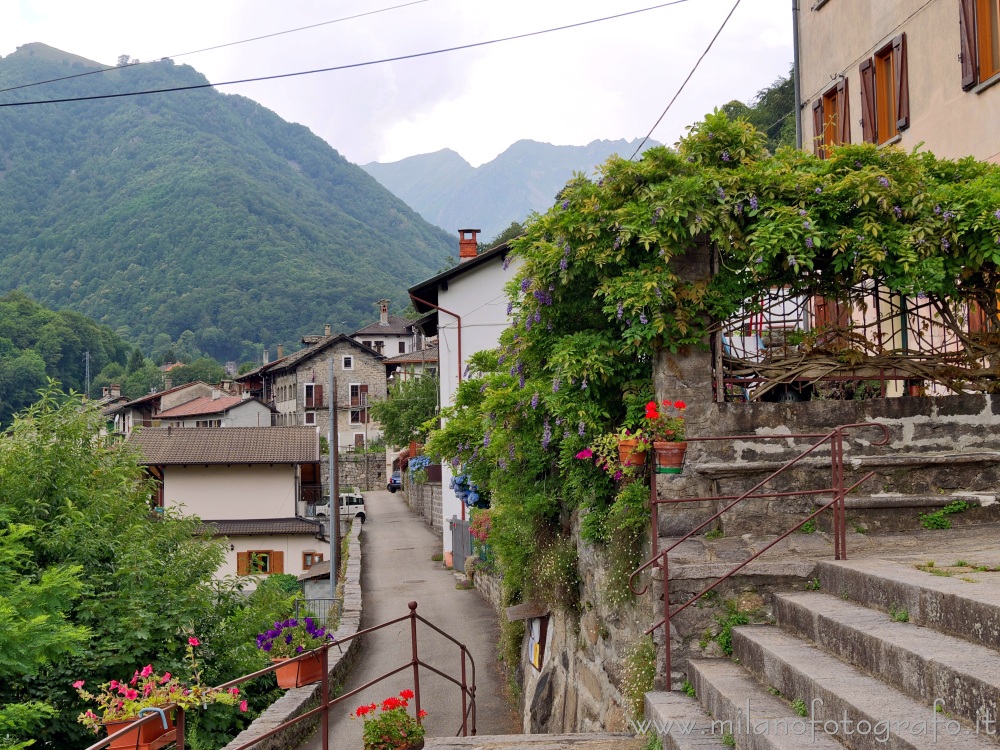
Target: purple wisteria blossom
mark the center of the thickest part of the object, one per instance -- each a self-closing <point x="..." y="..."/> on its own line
<point x="809" y="242"/>
<point x="883" y="181"/>
<point x="725" y="155"/>
<point x="506" y="262"/>
<point x="534" y="400"/>
<point x="482" y="388"/>
<point x="802" y="212"/>
<point x="510" y="307"/>
<point x="486" y="440"/>
<point x="753" y="202"/>
<point x="525" y="283"/>
<point x="546" y="435"/>
<point x="996" y="214"/>
<point x="555" y="385"/>
<point x="521" y="381"/>
<point x="565" y="205"/>
<point x="583" y="384"/>
<point x="898" y="211"/>
<point x="721" y="193"/>
<point x="455" y="462"/>
<point x="819" y="190"/>
<point x="510" y="451"/>
<point x="792" y="261"/>
<point x="945" y="244"/>
<point x="502" y="463"/>
<point x="563" y="264"/>
<point x="937" y="209"/>
<point x="805" y="224"/>
<point x="558" y="421"/>
<point x="581" y="429"/>
<point x="620" y="311"/>
<point x="642" y="318"/>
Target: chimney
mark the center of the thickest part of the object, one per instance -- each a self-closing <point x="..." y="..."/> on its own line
<point x="115" y="390"/>
<point x="168" y="383"/>
<point x="467" y="249"/>
<point x="326" y="330"/>
<point x="216" y="394"/>
<point x="105" y="391"/>
<point x="267" y="357"/>
<point x="281" y="351"/>
<point x="383" y="309"/>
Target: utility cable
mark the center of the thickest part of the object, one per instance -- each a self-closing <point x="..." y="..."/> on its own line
<point x="349" y="66"/>
<point x="220" y="46"/>
<point x="671" y="103"/>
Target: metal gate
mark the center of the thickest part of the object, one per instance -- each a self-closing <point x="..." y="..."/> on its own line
<point x="461" y="542"/>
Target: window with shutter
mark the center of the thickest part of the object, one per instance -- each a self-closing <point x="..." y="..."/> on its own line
<point x="318" y="396"/>
<point x="843" y="123"/>
<point x="818" y="127"/>
<point x="885" y="92"/>
<point x="969" y="46"/>
<point x="832" y="118"/>
<point x="277" y="562"/>
<point x="901" y="78"/>
<point x="867" y="74"/>
<point x="242" y="563"/>
<point x="988" y="37"/>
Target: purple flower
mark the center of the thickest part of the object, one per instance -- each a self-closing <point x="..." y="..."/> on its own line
<point x="546" y="435"/>
<point x="558" y="421"/>
<point x="948" y="215"/>
<point x="753" y="202"/>
<point x="455" y="462"/>
<point x="809" y="242"/>
<point x="502" y="463"/>
<point x="792" y="261"/>
<point x="642" y="318"/>
<point x="620" y="312"/>
<point x="618" y="475"/>
<point x="618" y="242"/>
<point x="566" y="249"/>
<point x="486" y="440"/>
<point x="565" y="205"/>
<point x="583" y="384"/>
<point x="858" y="164"/>
<point x="538" y="316"/>
<point x="802" y="212"/>
<point x="521" y="381"/>
<point x="510" y="451"/>
<point x="506" y="262"/>
<point x="534" y="400"/>
<point x="510" y="307"/>
<point x="937" y="209"/>
<point x="721" y="193"/>
<point x="482" y="388"/>
<point x="581" y="429"/>
<point x="945" y="244"/>
<point x="819" y="190"/>
<point x="525" y="283"/>
<point x="805" y="224"/>
<point x="898" y="211"/>
<point x="996" y="213"/>
<point x="725" y="156"/>
<point x="883" y="181"/>
<point x="563" y="264"/>
<point x="555" y="385"/>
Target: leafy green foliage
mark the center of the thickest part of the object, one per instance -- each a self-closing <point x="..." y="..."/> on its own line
<point x="772" y="112"/>
<point x="939" y="518"/>
<point x="410" y="410"/>
<point x="205" y="369"/>
<point x="638" y="675"/>
<point x="192" y="211"/>
<point x="134" y="584"/>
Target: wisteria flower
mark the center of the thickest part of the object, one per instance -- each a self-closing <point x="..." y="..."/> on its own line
<point x="883" y="181"/>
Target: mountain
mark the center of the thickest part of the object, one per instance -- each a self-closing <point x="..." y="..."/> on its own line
<point x="448" y="191"/>
<point x="191" y="211"/>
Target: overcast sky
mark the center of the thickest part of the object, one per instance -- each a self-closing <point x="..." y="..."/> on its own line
<point x="608" y="80"/>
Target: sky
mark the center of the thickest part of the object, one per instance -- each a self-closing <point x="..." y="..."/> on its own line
<point x="607" y="80"/>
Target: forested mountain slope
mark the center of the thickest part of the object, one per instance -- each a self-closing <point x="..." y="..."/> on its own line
<point x="192" y="210"/>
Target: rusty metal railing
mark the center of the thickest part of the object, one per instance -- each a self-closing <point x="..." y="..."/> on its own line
<point x="467" y="687"/>
<point x="834" y="438"/>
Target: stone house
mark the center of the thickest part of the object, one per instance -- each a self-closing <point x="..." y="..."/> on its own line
<point x="391" y="335"/>
<point x="145" y="411"/>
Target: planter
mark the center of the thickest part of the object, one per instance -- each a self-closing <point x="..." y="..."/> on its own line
<point x="669" y="457"/>
<point x="305" y="671"/>
<point x="141" y="738"/>
<point x="630" y="454"/>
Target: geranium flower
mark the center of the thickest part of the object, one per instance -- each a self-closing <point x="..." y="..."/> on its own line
<point x="243" y="706"/>
<point x="192" y="641"/>
<point x="78" y="684"/>
<point x="585" y="453"/>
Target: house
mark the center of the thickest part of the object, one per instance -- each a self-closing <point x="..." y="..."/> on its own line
<point x="297" y="386"/>
<point x="390" y="335"/>
<point x="413" y="365"/>
<point x="145" y="411"/>
<point x="218" y="410"/>
<point x="900" y="72"/>
<point x="255" y="486"/>
<point x="467" y="307"/>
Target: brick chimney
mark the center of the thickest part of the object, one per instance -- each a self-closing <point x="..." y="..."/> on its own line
<point x="281" y="351"/>
<point x="467" y="249"/>
<point x="115" y="390"/>
<point x="326" y="330"/>
<point x="383" y="310"/>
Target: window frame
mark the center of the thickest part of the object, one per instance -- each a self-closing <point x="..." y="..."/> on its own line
<point x="885" y="92"/>
<point x="306" y="419"/>
<point x="832" y="119"/>
<point x="987" y="38"/>
<point x="347" y="362"/>
<point x="402" y="347"/>
<point x="310" y="558"/>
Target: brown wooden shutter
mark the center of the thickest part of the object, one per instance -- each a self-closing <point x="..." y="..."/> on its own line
<point x="967" y="34"/>
<point x="818" y="127"/>
<point x="843" y="114"/>
<point x="902" y="80"/>
<point x="242" y="563"/>
<point x="318" y="395"/>
<point x="868" y="126"/>
<point x="277" y="562"/>
<point x="359" y="440"/>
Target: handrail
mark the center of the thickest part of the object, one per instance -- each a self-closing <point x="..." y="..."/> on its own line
<point x="835" y="438"/>
<point x="468" y="689"/>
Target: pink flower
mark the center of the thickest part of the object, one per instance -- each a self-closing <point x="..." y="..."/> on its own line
<point x="165" y="678"/>
<point x="147" y="690"/>
<point x="234" y="691"/>
<point x="113" y="684"/>
<point x="78" y="684"/>
<point x="131" y="695"/>
<point x="243" y="705"/>
<point x="135" y="678"/>
<point x="585" y="453"/>
<point x="146" y="671"/>
<point x="193" y="641"/>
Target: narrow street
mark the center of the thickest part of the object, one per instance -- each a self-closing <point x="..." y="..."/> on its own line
<point x="397" y="547"/>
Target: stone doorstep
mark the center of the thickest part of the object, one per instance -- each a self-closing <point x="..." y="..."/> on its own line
<point x="725" y="690"/>
<point x="923" y="663"/>
<point x="888" y="500"/>
<point x="801" y="671"/>
<point x="598" y="741"/>
<point x="970" y="611"/>
<point x="680" y="722"/>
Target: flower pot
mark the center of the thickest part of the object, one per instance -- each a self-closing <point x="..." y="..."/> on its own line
<point x="293" y="674"/>
<point x="669" y="457"/>
<point x="629" y="454"/>
<point x="142" y="737"/>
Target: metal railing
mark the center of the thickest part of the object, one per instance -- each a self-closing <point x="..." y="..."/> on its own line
<point x="467" y="687"/>
<point x="326" y="611"/>
<point x="661" y="559"/>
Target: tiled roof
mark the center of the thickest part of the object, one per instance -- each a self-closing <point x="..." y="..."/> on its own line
<point x="423" y="355"/>
<point x="290" y="362"/>
<point x="318" y="570"/>
<point x="203" y="405"/>
<point x="264" y="526"/>
<point x="161" y="446"/>
<point x="160" y="394"/>
<point x="395" y="326"/>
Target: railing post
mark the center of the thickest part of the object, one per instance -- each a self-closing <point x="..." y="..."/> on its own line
<point x="179" y="728"/>
<point x="841" y="499"/>
<point x="416" y="662"/>
<point x="665" y="566"/>
<point x="654" y="514"/>
<point x="325" y="724"/>
<point x="465" y="728"/>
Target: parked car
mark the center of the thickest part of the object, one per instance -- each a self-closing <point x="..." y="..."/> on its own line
<point x="395" y="481"/>
<point x="352" y="505"/>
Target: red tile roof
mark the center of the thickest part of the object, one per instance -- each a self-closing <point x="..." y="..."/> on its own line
<point x="203" y="405"/>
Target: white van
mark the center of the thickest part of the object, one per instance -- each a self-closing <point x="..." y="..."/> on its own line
<point x="352" y="505"/>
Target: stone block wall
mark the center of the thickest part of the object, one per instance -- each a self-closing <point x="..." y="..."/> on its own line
<point x="299" y="700"/>
<point x="364" y="470"/>
<point x="424" y="499"/>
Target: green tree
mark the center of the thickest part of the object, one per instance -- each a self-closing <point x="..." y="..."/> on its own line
<point x="136" y="361"/>
<point x="204" y="369"/>
<point x="516" y="229"/>
<point x="143" y="381"/>
<point x="771" y="111"/>
<point x="409" y="411"/>
<point x="20" y="378"/>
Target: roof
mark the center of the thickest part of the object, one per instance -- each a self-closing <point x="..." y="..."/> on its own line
<point x="395" y="325"/>
<point x="290" y="362"/>
<point x="264" y="526"/>
<point x="318" y="570"/>
<point x="160" y="394"/>
<point x="162" y="446"/>
<point x="206" y="405"/>
<point x="430" y="354"/>
<point x="428" y="290"/>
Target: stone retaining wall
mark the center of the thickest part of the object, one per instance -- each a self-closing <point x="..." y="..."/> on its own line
<point x="491" y="587"/>
<point x="299" y="700"/>
<point x="425" y="499"/>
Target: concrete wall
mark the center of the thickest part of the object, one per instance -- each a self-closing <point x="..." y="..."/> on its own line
<point x="299" y="700"/>
<point x="836" y="36"/>
<point x="232" y="492"/>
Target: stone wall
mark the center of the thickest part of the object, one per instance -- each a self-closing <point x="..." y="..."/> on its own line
<point x="299" y="700"/>
<point x="424" y="499"/>
<point x="490" y="585"/>
<point x="364" y="470"/>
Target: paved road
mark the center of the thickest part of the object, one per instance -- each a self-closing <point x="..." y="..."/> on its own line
<point x="397" y="547"/>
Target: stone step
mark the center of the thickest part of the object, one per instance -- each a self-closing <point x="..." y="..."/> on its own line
<point x="923" y="663"/>
<point x="861" y="711"/>
<point x="902" y="460"/>
<point x="887" y="500"/>
<point x="680" y="722"/>
<point x="726" y="691"/>
<point x="600" y="741"/>
<point x="965" y="609"/>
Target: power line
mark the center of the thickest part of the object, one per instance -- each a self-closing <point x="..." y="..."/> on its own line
<point x="671" y="103"/>
<point x="350" y="65"/>
<point x="219" y="46"/>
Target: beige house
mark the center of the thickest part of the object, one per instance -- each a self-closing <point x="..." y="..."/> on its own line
<point x="218" y="410"/>
<point x="901" y="72"/>
<point x="255" y="486"/>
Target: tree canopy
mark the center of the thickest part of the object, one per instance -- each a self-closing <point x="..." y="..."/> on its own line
<point x="407" y="411"/>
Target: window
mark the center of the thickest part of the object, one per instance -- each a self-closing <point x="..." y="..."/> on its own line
<point x="208" y="423"/>
<point x="359" y="394"/>
<point x="979" y="31"/>
<point x="379" y="345"/>
<point x="260" y="562"/>
<point x="359" y="442"/>
<point x="310" y="417"/>
<point x="402" y="347"/>
<point x="359" y="416"/>
<point x="313" y="393"/>
<point x="831" y="119"/>
<point x="885" y="92"/>
<point x="311" y="558"/>
<point x="367" y="343"/>
<point x="347" y="363"/>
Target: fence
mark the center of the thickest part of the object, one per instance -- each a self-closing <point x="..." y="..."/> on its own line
<point x="326" y="611"/>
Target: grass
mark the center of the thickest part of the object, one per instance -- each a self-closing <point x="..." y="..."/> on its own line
<point x="715" y="534"/>
<point x="809" y="527"/>
<point x="899" y="614"/>
<point x="728" y="740"/>
<point x="812" y="585"/>
<point x="437" y="557"/>
<point x="939" y="519"/>
<point x="799" y="707"/>
<point x="688" y="689"/>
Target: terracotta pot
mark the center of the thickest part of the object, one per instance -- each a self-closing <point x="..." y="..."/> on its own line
<point x="669" y="456"/>
<point x="629" y="455"/>
<point x="141" y="738"/>
<point x="293" y="674"/>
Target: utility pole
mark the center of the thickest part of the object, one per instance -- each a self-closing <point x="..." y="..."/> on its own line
<point x="334" y="486"/>
<point x="86" y="378"/>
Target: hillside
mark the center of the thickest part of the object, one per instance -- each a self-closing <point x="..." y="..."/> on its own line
<point x="192" y="211"/>
<point x="448" y="191"/>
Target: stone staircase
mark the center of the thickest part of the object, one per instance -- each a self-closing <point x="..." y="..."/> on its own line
<point x="884" y="654"/>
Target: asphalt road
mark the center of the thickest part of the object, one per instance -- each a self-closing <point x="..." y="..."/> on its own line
<point x="397" y="568"/>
